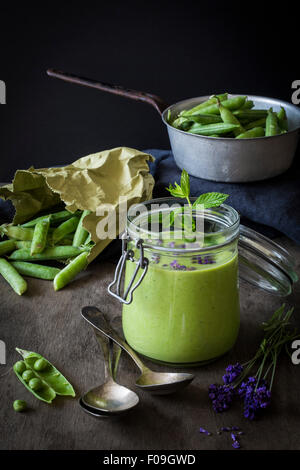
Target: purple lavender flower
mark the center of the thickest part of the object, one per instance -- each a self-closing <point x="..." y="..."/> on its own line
<point x="235" y="443"/>
<point x="204" y="431"/>
<point x="255" y="399"/>
<point x="221" y="396"/>
<point x="208" y="259"/>
<point x="232" y="372"/>
<point x="175" y="265"/>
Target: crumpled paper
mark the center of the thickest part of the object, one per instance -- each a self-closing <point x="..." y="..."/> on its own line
<point x="89" y="183"/>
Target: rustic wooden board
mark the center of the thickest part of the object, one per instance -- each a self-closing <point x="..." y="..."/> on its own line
<point x="50" y="323"/>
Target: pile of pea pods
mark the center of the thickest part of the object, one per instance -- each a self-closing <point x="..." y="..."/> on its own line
<point x="56" y="237"/>
<point x="221" y="116"/>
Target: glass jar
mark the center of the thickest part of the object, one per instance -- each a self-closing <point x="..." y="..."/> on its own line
<point x="181" y="295"/>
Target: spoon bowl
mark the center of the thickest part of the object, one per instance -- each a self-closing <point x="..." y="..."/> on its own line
<point x="162" y="383"/>
<point x="110" y="398"/>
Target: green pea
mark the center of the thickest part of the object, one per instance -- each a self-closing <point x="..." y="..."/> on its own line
<point x="35" y="384"/>
<point x="19" y="405"/>
<point x="20" y="367"/>
<point x="28" y="375"/>
<point x="40" y="364"/>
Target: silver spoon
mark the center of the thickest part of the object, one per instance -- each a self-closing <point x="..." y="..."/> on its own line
<point x="159" y="383"/>
<point x="109" y="398"/>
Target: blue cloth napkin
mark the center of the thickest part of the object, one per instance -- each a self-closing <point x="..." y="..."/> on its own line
<point x="270" y="207"/>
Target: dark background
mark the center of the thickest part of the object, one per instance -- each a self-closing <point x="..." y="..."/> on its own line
<point x="175" y="50"/>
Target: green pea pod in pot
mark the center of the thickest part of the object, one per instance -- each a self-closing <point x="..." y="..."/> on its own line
<point x="252" y="133"/>
<point x="212" y="129"/>
<point x="250" y="114"/>
<point x="272" y="126"/>
<point x="49" y="375"/>
<point x="212" y="100"/>
<point x="282" y="119"/>
<point x="204" y="119"/>
<point x="229" y="118"/>
<point x="259" y="123"/>
<point x="232" y="103"/>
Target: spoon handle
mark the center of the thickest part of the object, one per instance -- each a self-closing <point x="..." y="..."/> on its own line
<point x="96" y="318"/>
<point x="111" y="355"/>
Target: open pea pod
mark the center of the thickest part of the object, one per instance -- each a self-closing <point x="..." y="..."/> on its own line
<point x="45" y="393"/>
<point x="49" y="375"/>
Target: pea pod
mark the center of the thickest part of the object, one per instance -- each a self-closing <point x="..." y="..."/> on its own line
<point x="50" y="376"/>
<point x="250" y="114"/>
<point x="259" y="123"/>
<point x="252" y="133"/>
<point x="232" y="104"/>
<point x="203" y="119"/>
<point x="282" y="119"/>
<point x="212" y="129"/>
<point x="7" y="247"/>
<point x="17" y="232"/>
<point x="272" y="127"/>
<point x="56" y="218"/>
<point x="204" y="104"/>
<point x="69" y="226"/>
<point x="229" y="118"/>
<point x="178" y="122"/>
<point x="35" y="270"/>
<point x="46" y="393"/>
<point x="53" y="253"/>
<point x="40" y="234"/>
<point x="68" y="273"/>
<point x="81" y="233"/>
<point x="12" y="276"/>
<point x="249" y="104"/>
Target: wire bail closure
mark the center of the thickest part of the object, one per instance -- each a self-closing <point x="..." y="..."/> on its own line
<point x="142" y="263"/>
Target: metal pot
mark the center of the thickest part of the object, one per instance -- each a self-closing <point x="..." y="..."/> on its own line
<point x="218" y="159"/>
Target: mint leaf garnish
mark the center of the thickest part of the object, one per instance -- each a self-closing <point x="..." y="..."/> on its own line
<point x="211" y="199"/>
<point x="183" y="191"/>
<point x="185" y="183"/>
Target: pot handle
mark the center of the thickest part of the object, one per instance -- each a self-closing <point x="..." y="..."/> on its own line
<point x="155" y="101"/>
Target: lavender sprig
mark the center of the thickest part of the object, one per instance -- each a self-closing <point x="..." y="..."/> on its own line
<point x="253" y="388"/>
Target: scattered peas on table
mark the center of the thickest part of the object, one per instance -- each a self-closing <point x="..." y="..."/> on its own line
<point x="221" y="116"/>
<point x="58" y="237"/>
<point x="19" y="406"/>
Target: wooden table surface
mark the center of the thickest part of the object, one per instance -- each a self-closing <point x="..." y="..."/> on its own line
<point x="50" y="323"/>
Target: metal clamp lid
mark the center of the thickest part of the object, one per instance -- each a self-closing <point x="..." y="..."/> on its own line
<point x="142" y="263"/>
